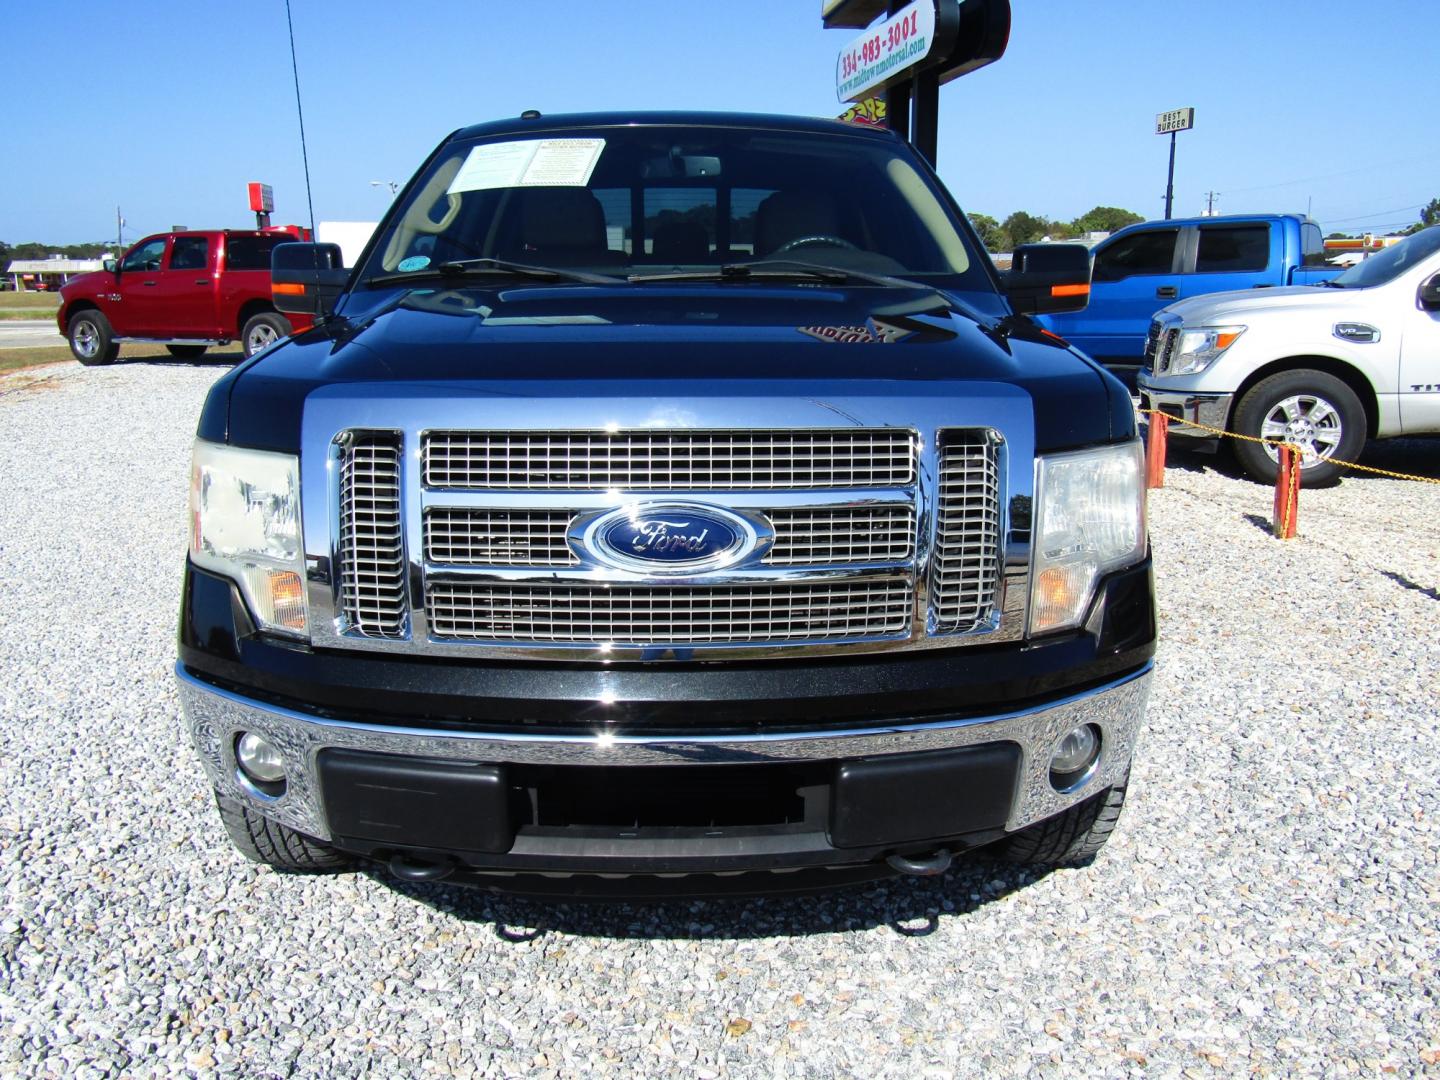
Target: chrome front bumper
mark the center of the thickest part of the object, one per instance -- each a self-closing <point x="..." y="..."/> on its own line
<point x="1212" y="410"/>
<point x="216" y="718"/>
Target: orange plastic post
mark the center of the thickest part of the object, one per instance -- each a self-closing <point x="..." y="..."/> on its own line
<point x="1155" y="450"/>
<point x="1287" y="493"/>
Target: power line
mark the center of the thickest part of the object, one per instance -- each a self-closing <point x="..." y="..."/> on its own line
<point x="1332" y="176"/>
<point x="1382" y="213"/>
<point x="304" y="154"/>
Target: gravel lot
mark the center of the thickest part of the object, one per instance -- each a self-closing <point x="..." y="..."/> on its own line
<point x="1269" y="904"/>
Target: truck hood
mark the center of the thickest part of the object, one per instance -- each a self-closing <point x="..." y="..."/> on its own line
<point x="690" y="340"/>
<point x="1226" y="307"/>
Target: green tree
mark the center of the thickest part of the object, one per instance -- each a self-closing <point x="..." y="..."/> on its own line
<point x="1105" y="219"/>
<point x="991" y="234"/>
<point x="1022" y="228"/>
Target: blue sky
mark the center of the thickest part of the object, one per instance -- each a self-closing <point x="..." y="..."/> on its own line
<point x="168" y="107"/>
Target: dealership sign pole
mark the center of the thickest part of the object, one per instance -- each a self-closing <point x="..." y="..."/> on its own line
<point x="1172" y="123"/>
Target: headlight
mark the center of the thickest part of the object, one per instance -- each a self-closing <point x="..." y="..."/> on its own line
<point x="245" y="524"/>
<point x="1090" y="520"/>
<point x="1197" y="349"/>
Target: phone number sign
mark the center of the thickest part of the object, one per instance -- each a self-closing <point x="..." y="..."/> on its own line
<point x="885" y="51"/>
<point x="1174" y="120"/>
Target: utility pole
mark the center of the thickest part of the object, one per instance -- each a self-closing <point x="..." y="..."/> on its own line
<point x="1210" y="203"/>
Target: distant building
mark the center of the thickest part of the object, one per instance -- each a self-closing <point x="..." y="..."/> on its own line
<point x="47" y="275"/>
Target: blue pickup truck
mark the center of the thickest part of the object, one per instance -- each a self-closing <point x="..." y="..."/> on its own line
<point x="1145" y="267"/>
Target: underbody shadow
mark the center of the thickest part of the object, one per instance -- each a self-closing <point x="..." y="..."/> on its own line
<point x="910" y="906"/>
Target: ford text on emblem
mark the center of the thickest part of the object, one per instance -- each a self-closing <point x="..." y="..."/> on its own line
<point x="670" y="538"/>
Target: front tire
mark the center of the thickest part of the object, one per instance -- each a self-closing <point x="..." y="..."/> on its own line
<point x="264" y="841"/>
<point x="1071" y="838"/>
<point x="263" y="330"/>
<point x="1315" y="411"/>
<point x="92" y="341"/>
<point x="185" y="352"/>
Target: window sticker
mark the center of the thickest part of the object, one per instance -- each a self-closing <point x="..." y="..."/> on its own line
<point x="414" y="262"/>
<point x="533" y="163"/>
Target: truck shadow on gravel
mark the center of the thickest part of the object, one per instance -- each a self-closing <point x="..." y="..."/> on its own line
<point x="910" y="907"/>
<point x="218" y="360"/>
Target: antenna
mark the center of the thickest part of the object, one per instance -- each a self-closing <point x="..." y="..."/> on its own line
<point x="304" y="154"/>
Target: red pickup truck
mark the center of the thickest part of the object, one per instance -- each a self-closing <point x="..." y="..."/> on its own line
<point x="188" y="290"/>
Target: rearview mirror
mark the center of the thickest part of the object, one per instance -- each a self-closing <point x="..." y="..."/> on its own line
<point x="305" y="279"/>
<point x="1046" y="278"/>
<point x="109" y="263"/>
<point x="1430" y="293"/>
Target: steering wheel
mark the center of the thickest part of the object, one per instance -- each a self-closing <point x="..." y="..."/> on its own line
<point x="808" y="241"/>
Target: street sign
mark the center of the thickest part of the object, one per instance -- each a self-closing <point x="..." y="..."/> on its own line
<point x="885" y="52"/>
<point x="262" y="198"/>
<point x="1174" y="120"/>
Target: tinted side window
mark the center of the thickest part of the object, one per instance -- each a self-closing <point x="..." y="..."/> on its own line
<point x="1151" y="252"/>
<point x="190" y="253"/>
<point x="1232" y="248"/>
<point x="251" y="252"/>
<point x="145" y="257"/>
<point x="1312" y="245"/>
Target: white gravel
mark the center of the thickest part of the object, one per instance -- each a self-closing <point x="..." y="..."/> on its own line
<point x="1269" y="905"/>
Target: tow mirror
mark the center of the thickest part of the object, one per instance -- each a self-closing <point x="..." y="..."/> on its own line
<point x="305" y="279"/>
<point x="1430" y="293"/>
<point x="1045" y="278"/>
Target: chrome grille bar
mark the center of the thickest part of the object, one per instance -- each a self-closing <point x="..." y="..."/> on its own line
<point x="851" y="535"/>
<point x="670" y="616"/>
<point x="372" y="564"/>
<point x="965" y="565"/>
<point x="498" y="537"/>
<point x="668" y="460"/>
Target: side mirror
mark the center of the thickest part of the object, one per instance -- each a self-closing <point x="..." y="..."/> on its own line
<point x="305" y="279"/>
<point x="110" y="264"/>
<point x="1430" y="293"/>
<point x="1046" y="278"/>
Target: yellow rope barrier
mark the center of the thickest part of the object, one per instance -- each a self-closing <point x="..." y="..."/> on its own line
<point x="1299" y="450"/>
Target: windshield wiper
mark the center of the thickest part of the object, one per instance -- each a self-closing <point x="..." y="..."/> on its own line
<point x="463" y="268"/>
<point x="770" y="269"/>
<point x="1331" y="283"/>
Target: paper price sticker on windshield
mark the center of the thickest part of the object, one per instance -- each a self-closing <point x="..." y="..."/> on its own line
<point x="533" y="163"/>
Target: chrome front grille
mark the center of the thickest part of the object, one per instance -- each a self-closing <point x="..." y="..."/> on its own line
<point x="965" y="565"/>
<point x="498" y="537"/>
<point x="1160" y="350"/>
<point x="668" y="460"/>
<point x="878" y="536"/>
<point x="848" y="535"/>
<point x="372" y="559"/>
<point x="661" y="615"/>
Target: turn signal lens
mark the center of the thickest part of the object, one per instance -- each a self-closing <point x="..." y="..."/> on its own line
<point x="287" y="599"/>
<point x="1059" y="592"/>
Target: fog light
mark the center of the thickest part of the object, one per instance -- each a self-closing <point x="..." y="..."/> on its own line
<point x="1074" y="756"/>
<point x="259" y="760"/>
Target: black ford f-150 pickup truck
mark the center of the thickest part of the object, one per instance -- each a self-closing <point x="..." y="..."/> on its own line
<point x="668" y="494"/>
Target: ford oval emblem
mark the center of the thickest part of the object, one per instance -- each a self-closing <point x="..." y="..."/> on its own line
<point x="673" y="538"/>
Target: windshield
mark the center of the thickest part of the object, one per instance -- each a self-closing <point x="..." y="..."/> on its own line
<point x="640" y="201"/>
<point x="1392" y="262"/>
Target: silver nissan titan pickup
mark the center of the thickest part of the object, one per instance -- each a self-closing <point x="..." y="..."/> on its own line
<point x="668" y="495"/>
